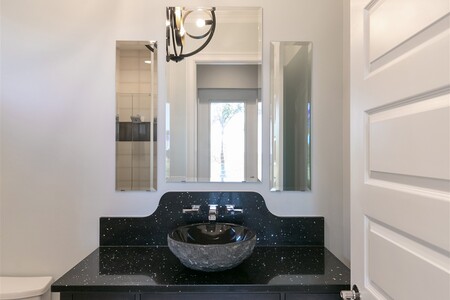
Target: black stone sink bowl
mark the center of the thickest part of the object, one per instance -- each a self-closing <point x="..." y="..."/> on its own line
<point x="211" y="247"/>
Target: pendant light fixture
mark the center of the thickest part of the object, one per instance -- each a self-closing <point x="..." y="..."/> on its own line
<point x="177" y="35"/>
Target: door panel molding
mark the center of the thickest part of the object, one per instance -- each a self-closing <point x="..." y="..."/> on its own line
<point x="411" y="140"/>
<point x="425" y="216"/>
<point x="417" y="183"/>
<point x="430" y="34"/>
<point x="392" y="253"/>
<point x="401" y="25"/>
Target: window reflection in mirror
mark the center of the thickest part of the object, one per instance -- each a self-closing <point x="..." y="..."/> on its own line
<point x="227" y="141"/>
<point x="227" y="134"/>
<point x="291" y="64"/>
<point x="213" y="109"/>
<point x="136" y="115"/>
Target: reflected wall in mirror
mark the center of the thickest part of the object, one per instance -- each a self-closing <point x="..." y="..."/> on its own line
<point x="213" y="109"/>
<point x="291" y="65"/>
<point x="136" y="115"/>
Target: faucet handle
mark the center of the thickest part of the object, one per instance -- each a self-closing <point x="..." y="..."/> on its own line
<point x="194" y="209"/>
<point x="231" y="209"/>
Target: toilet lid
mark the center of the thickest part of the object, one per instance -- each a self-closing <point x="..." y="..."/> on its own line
<point x="23" y="287"/>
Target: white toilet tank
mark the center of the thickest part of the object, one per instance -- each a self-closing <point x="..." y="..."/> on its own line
<point x="25" y="288"/>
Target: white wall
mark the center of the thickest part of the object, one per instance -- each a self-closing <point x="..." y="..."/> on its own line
<point x="1" y="141"/>
<point x="346" y="133"/>
<point x="58" y="122"/>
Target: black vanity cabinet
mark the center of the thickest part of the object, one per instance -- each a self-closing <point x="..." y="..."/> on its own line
<point x="208" y="296"/>
<point x="172" y="296"/>
<point x="99" y="296"/>
<point x="312" y="297"/>
<point x="197" y="296"/>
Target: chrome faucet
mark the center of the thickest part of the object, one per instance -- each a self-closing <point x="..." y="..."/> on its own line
<point x="213" y="211"/>
<point x="194" y="209"/>
<point x="232" y="210"/>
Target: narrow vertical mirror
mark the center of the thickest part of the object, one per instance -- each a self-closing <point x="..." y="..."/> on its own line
<point x="291" y="64"/>
<point x="136" y="115"/>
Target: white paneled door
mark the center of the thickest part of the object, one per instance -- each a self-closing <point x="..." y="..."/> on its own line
<point x="400" y="149"/>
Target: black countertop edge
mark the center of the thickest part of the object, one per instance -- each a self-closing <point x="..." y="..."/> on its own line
<point x="235" y="288"/>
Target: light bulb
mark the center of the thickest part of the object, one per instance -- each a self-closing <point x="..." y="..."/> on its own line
<point x="200" y="23"/>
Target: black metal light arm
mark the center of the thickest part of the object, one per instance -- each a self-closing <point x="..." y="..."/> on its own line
<point x="174" y="36"/>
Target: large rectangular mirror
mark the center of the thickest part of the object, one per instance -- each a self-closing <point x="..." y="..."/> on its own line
<point x="291" y="64"/>
<point x="136" y="115"/>
<point x="213" y="108"/>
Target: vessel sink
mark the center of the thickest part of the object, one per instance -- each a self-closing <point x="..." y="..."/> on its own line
<point x="211" y="247"/>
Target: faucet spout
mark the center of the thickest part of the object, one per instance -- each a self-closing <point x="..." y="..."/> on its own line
<point x="213" y="211"/>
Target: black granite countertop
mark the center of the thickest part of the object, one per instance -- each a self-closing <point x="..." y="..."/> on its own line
<point x="303" y="269"/>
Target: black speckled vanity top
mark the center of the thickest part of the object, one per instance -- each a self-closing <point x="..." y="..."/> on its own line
<point x="156" y="269"/>
<point x="133" y="255"/>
